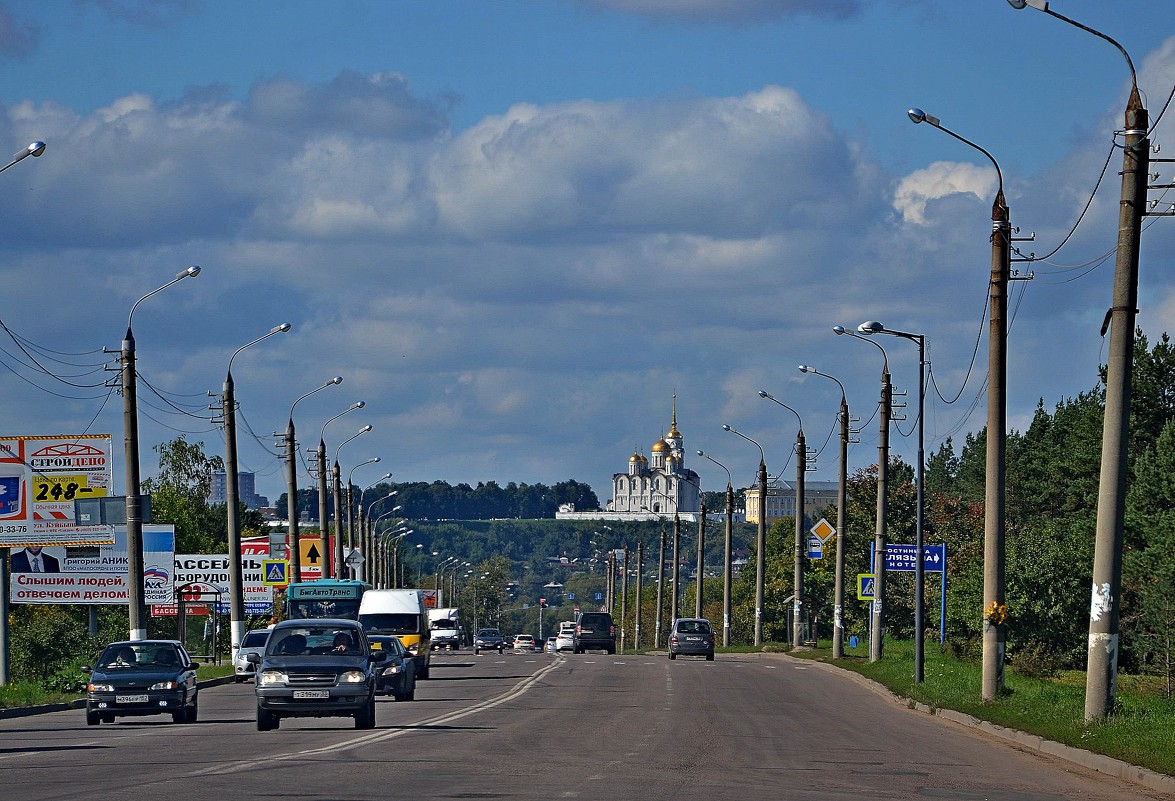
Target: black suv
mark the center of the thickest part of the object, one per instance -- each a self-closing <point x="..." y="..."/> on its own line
<point x="317" y="668"/>
<point x="595" y="631"/>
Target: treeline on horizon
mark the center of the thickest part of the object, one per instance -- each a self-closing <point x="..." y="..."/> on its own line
<point x="440" y="500"/>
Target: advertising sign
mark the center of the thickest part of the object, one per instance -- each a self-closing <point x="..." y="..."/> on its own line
<point x="41" y="477"/>
<point x="93" y="574"/>
<point x="210" y="571"/>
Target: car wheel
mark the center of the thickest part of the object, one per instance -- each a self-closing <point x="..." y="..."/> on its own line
<point x="365" y="718"/>
<point x="92" y="718"/>
<point x="192" y="713"/>
<point x="672" y="655"/>
<point x="709" y="657"/>
<point x="266" y="720"/>
<point x="107" y="717"/>
<point x="180" y="717"/>
<point x="612" y="651"/>
<point x="477" y="652"/>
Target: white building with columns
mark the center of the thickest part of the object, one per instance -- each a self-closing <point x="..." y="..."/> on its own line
<point x="660" y="486"/>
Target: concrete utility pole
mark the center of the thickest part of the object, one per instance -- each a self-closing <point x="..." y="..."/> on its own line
<point x="291" y="455"/>
<point x="760" y="536"/>
<point x="842" y="501"/>
<point x="994" y="528"/>
<point x="228" y="410"/>
<point x="660" y="589"/>
<point x="800" y="538"/>
<point x="701" y="557"/>
<point x="727" y="567"/>
<point x="676" y="570"/>
<point x="640" y="564"/>
<point x="1101" y="675"/>
<point x="624" y="600"/>
<point x="336" y="477"/>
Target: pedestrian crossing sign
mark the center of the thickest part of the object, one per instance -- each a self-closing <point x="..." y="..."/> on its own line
<point x="865" y="587"/>
<point x="275" y="572"/>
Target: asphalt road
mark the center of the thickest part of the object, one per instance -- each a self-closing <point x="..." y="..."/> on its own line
<point x="537" y="726"/>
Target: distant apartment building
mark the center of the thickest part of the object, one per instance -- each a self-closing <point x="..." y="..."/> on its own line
<point x="781" y="500"/>
<point x="246" y="490"/>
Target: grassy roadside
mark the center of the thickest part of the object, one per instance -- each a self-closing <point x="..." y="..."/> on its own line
<point x="1139" y="732"/>
<point x="32" y="694"/>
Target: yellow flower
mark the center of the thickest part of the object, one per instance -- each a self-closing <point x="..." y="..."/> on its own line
<point x="996" y="613"/>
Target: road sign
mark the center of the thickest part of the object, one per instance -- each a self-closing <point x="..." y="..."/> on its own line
<point x="815" y="547"/>
<point x="354" y="558"/>
<point x="275" y="572"/>
<point x="823" y="530"/>
<point x="903" y="557"/>
<point x="865" y="587"/>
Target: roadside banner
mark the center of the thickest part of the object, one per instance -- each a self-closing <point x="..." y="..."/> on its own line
<point x="41" y="477"/>
<point x="93" y="574"/>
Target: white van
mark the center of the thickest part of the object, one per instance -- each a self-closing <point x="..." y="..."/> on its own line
<point x="400" y="613"/>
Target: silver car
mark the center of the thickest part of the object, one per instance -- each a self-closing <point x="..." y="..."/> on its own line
<point x="252" y="643"/>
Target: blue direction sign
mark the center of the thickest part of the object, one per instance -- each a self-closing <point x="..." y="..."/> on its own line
<point x="900" y="556"/>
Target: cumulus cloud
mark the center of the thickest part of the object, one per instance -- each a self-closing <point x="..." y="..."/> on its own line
<point x="941" y="179"/>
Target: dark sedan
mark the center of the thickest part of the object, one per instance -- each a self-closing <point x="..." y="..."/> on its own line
<point x="142" y="677"/>
<point x="399" y="670"/>
<point x="489" y="640"/>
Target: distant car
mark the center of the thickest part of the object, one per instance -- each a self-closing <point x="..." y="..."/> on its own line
<point x="595" y="631"/>
<point x="551" y="645"/>
<point x="317" y="668"/>
<point x="488" y="640"/>
<point x="565" y="640"/>
<point x="524" y="642"/>
<point x="398" y="678"/>
<point x="142" y="677"/>
<point x="691" y="636"/>
<point x="253" y="642"/>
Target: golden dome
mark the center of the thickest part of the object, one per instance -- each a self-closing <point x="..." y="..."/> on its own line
<point x="660" y="446"/>
<point x="635" y="458"/>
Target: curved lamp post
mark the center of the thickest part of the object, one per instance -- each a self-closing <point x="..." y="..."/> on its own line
<point x="351" y="507"/>
<point x="877" y="627"/>
<point x="34" y="149"/>
<point x="336" y="476"/>
<point x="842" y="500"/>
<point x="136" y="595"/>
<point x="873" y="327"/>
<point x="323" y="489"/>
<point x="798" y="564"/>
<point x="727" y="568"/>
<point x="760" y="536"/>
<point x="292" y="484"/>
<point x="1101" y="675"/>
<point x="366" y="536"/>
<point x="994" y="633"/>
<point x="228" y="410"/>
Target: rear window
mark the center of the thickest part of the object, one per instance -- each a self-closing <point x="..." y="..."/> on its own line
<point x="593" y="621"/>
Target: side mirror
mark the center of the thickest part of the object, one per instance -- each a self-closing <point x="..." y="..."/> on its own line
<point x="193" y="666"/>
<point x="87" y="669"/>
<point x="253" y="658"/>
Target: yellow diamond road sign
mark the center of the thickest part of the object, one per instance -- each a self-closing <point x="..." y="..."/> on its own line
<point x="823" y="530"/>
<point x="275" y="572"/>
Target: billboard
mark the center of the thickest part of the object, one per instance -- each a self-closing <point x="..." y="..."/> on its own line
<point x="93" y="574"/>
<point x="211" y="572"/>
<point x="41" y="477"/>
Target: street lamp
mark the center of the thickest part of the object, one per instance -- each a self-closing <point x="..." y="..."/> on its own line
<point x="228" y="409"/>
<point x="798" y="565"/>
<point x="323" y="512"/>
<point x="1101" y="674"/>
<point x="842" y="500"/>
<point x="367" y="531"/>
<point x="34" y="149"/>
<point x="338" y="493"/>
<point x="994" y="634"/>
<point x="873" y="327"/>
<point x="760" y="536"/>
<point x="351" y="508"/>
<point x="877" y="628"/>
<point x="292" y="484"/>
<point x="134" y="502"/>
<point x="727" y="568"/>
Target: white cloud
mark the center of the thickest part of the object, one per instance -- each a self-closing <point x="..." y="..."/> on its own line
<point x="941" y="179"/>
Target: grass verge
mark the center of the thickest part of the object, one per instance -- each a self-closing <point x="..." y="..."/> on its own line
<point x="1139" y="731"/>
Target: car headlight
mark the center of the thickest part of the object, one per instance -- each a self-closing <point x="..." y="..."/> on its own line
<point x="414" y="649"/>
<point x="353" y="677"/>
<point x="165" y="685"/>
<point x="394" y="669"/>
<point x="100" y="688"/>
<point x="270" y="678"/>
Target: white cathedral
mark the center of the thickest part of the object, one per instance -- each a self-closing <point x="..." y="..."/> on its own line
<point x="660" y="487"/>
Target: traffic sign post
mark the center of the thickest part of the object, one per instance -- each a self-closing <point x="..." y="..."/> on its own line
<point x="900" y="557"/>
<point x="815" y="547"/>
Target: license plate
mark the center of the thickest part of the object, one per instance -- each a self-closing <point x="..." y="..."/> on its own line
<point x="693" y="639"/>
<point x="312" y="693"/>
<point x="131" y="699"/>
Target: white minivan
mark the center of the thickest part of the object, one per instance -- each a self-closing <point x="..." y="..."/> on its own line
<point x="400" y="613"/>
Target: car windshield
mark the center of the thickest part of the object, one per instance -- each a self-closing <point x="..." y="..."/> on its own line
<point x="314" y="641"/>
<point x="140" y="656"/>
<point x="255" y="639"/>
<point x="488" y="633"/>
<point x="391" y="623"/>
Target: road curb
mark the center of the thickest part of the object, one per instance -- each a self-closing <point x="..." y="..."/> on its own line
<point x="1150" y="779"/>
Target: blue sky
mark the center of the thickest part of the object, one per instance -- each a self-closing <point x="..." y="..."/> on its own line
<point x="517" y="228"/>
